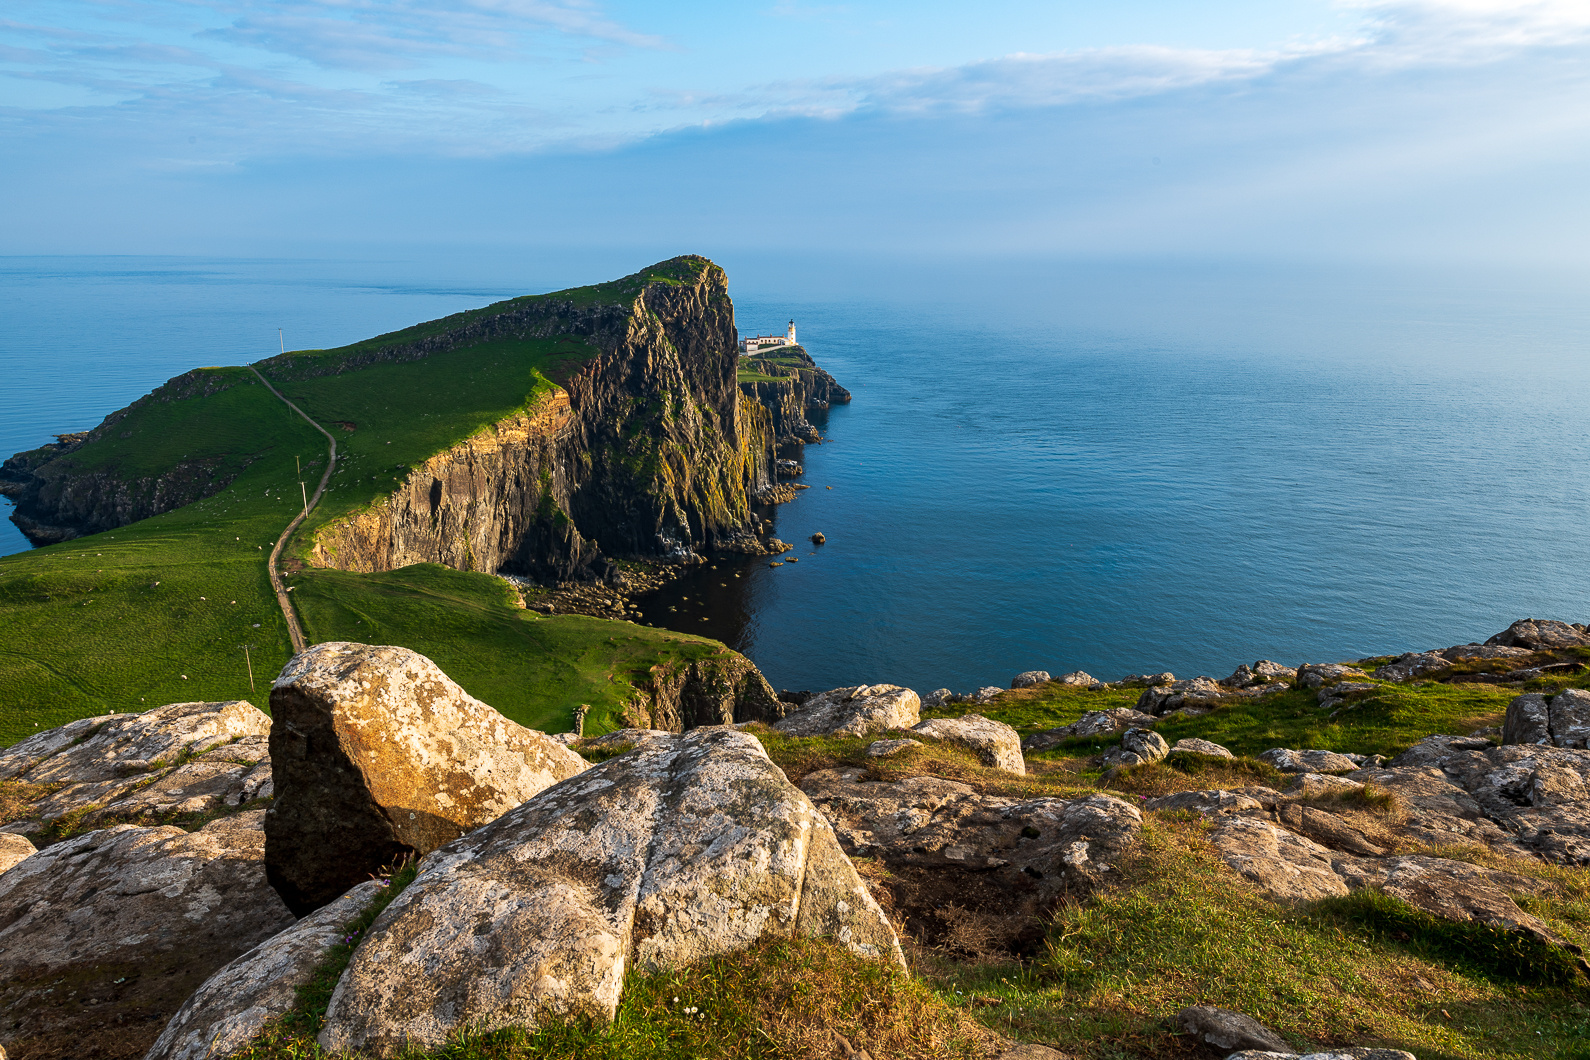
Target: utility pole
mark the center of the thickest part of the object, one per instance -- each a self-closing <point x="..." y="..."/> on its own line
<point x="281" y="340"/>
<point x="305" y="491"/>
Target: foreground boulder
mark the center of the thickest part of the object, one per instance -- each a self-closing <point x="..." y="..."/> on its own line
<point x="176" y="759"/>
<point x="235" y="1003"/>
<point x="953" y="853"/>
<point x="378" y="756"/>
<point x="995" y="743"/>
<point x="858" y="711"/>
<point x="671" y="853"/>
<point x="135" y="918"/>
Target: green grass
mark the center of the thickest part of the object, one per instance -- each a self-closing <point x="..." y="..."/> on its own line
<point x="533" y="668"/>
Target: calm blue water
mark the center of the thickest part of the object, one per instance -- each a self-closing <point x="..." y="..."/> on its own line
<point x="1115" y="469"/>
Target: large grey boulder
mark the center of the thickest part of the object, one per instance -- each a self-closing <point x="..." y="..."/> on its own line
<point x="1413" y="666"/>
<point x="172" y="905"/>
<point x="1029" y="679"/>
<point x="176" y="759"/>
<point x="995" y="743"/>
<point x="1314" y="675"/>
<point x="1563" y="721"/>
<point x="1007" y="860"/>
<point x="1200" y="692"/>
<point x="1541" y="634"/>
<point x="379" y="756"/>
<point x="1225" y="1029"/>
<point x="857" y="711"/>
<point x="659" y="857"/>
<point x="1193" y="746"/>
<point x="1078" y="679"/>
<point x="1093" y="723"/>
<point x="234" y="1004"/>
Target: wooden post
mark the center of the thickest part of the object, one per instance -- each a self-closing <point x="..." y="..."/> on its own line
<point x="250" y="664"/>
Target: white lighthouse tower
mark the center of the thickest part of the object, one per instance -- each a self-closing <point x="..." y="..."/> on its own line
<point x="790" y="335"/>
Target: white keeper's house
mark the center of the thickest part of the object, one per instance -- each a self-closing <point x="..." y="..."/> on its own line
<point x="753" y="343"/>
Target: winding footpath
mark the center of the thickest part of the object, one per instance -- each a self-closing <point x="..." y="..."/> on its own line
<point x="295" y="628"/>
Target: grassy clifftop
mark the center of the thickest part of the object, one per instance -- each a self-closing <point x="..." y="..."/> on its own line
<point x="161" y="610"/>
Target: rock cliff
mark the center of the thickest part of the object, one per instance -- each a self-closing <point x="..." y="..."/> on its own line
<point x="788" y="383"/>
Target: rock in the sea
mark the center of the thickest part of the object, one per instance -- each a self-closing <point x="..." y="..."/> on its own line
<point x="1006" y="860"/>
<point x="1138" y="747"/>
<point x="1315" y="761"/>
<point x="1029" y="679"/>
<point x="1193" y="746"/>
<point x="1564" y="721"/>
<point x="1093" y="723"/>
<point x="378" y="756"/>
<point x="134" y="917"/>
<point x="858" y="711"/>
<point x="13" y="848"/>
<point x="654" y="859"/>
<point x="179" y="758"/>
<point x="995" y="743"/>
<point x="1225" y="1029"/>
<point x="886" y="748"/>
<point x="1313" y="675"/>
<point x="1540" y="634"/>
<point x="1078" y="679"/>
<point x="235" y="1003"/>
<point x="1413" y="666"/>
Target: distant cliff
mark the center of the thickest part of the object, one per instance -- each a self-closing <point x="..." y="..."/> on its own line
<point x="647" y="444"/>
<point x="787" y="382"/>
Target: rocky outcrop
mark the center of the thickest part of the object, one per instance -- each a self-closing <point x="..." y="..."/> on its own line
<point x="665" y="855"/>
<point x="858" y="711"/>
<point x="1093" y="723"/>
<point x="1563" y="721"/>
<point x="136" y="918"/>
<point x="1540" y="634"/>
<point x="1031" y="678"/>
<point x="378" y="756"/>
<point x="721" y="689"/>
<point x="1315" y="761"/>
<point x="1193" y="746"/>
<point x="182" y="758"/>
<point x="996" y="744"/>
<point x="789" y="384"/>
<point x="1008" y="861"/>
<point x="1139" y="747"/>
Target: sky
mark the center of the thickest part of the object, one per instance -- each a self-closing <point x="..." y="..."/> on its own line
<point x="1439" y="131"/>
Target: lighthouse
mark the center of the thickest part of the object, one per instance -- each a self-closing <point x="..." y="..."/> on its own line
<point x="790" y="334"/>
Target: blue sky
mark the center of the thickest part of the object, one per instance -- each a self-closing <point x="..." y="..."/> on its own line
<point x="1447" y="130"/>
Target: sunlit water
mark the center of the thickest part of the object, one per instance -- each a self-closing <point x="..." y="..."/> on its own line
<point x="1109" y="470"/>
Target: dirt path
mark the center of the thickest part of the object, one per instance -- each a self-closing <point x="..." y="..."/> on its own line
<point x="295" y="629"/>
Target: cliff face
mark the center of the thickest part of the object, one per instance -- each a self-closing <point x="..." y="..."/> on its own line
<point x="647" y="449"/>
<point x="796" y="386"/>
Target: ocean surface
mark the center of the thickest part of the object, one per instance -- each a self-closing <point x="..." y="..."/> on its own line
<point x="1112" y="468"/>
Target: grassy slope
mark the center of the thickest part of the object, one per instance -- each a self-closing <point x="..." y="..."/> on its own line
<point x="84" y="629"/>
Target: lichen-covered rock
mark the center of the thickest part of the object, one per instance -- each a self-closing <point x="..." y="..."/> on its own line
<point x="1078" y="679"/>
<point x="1029" y="678"/>
<point x="663" y="856"/>
<point x="888" y="748"/>
<point x="1138" y="747"/>
<point x="1563" y="721"/>
<point x="1093" y="723"/>
<point x="1326" y="828"/>
<point x="136" y="918"/>
<point x="1207" y="803"/>
<point x="1006" y="860"/>
<point x="995" y="743"/>
<point x="1412" y="666"/>
<point x="178" y="758"/>
<point x="1225" y="1029"/>
<point x="1314" y="785"/>
<point x="1193" y="746"/>
<point x="631" y="738"/>
<point x="1540" y="634"/>
<point x="235" y="1003"/>
<point x="1315" y="761"/>
<point x="377" y="756"/>
<point x="1451" y="890"/>
<point x="857" y="711"/>
<point x="1280" y="863"/>
<point x="13" y="848"/>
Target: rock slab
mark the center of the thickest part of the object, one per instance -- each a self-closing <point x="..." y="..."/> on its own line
<point x="1225" y="1029"/>
<point x="665" y="855"/>
<point x="377" y="756"/>
<point x="858" y="711"/>
<point x="995" y="743"/>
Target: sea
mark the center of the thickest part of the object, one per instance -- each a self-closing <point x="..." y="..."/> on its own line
<point x="1113" y="467"/>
